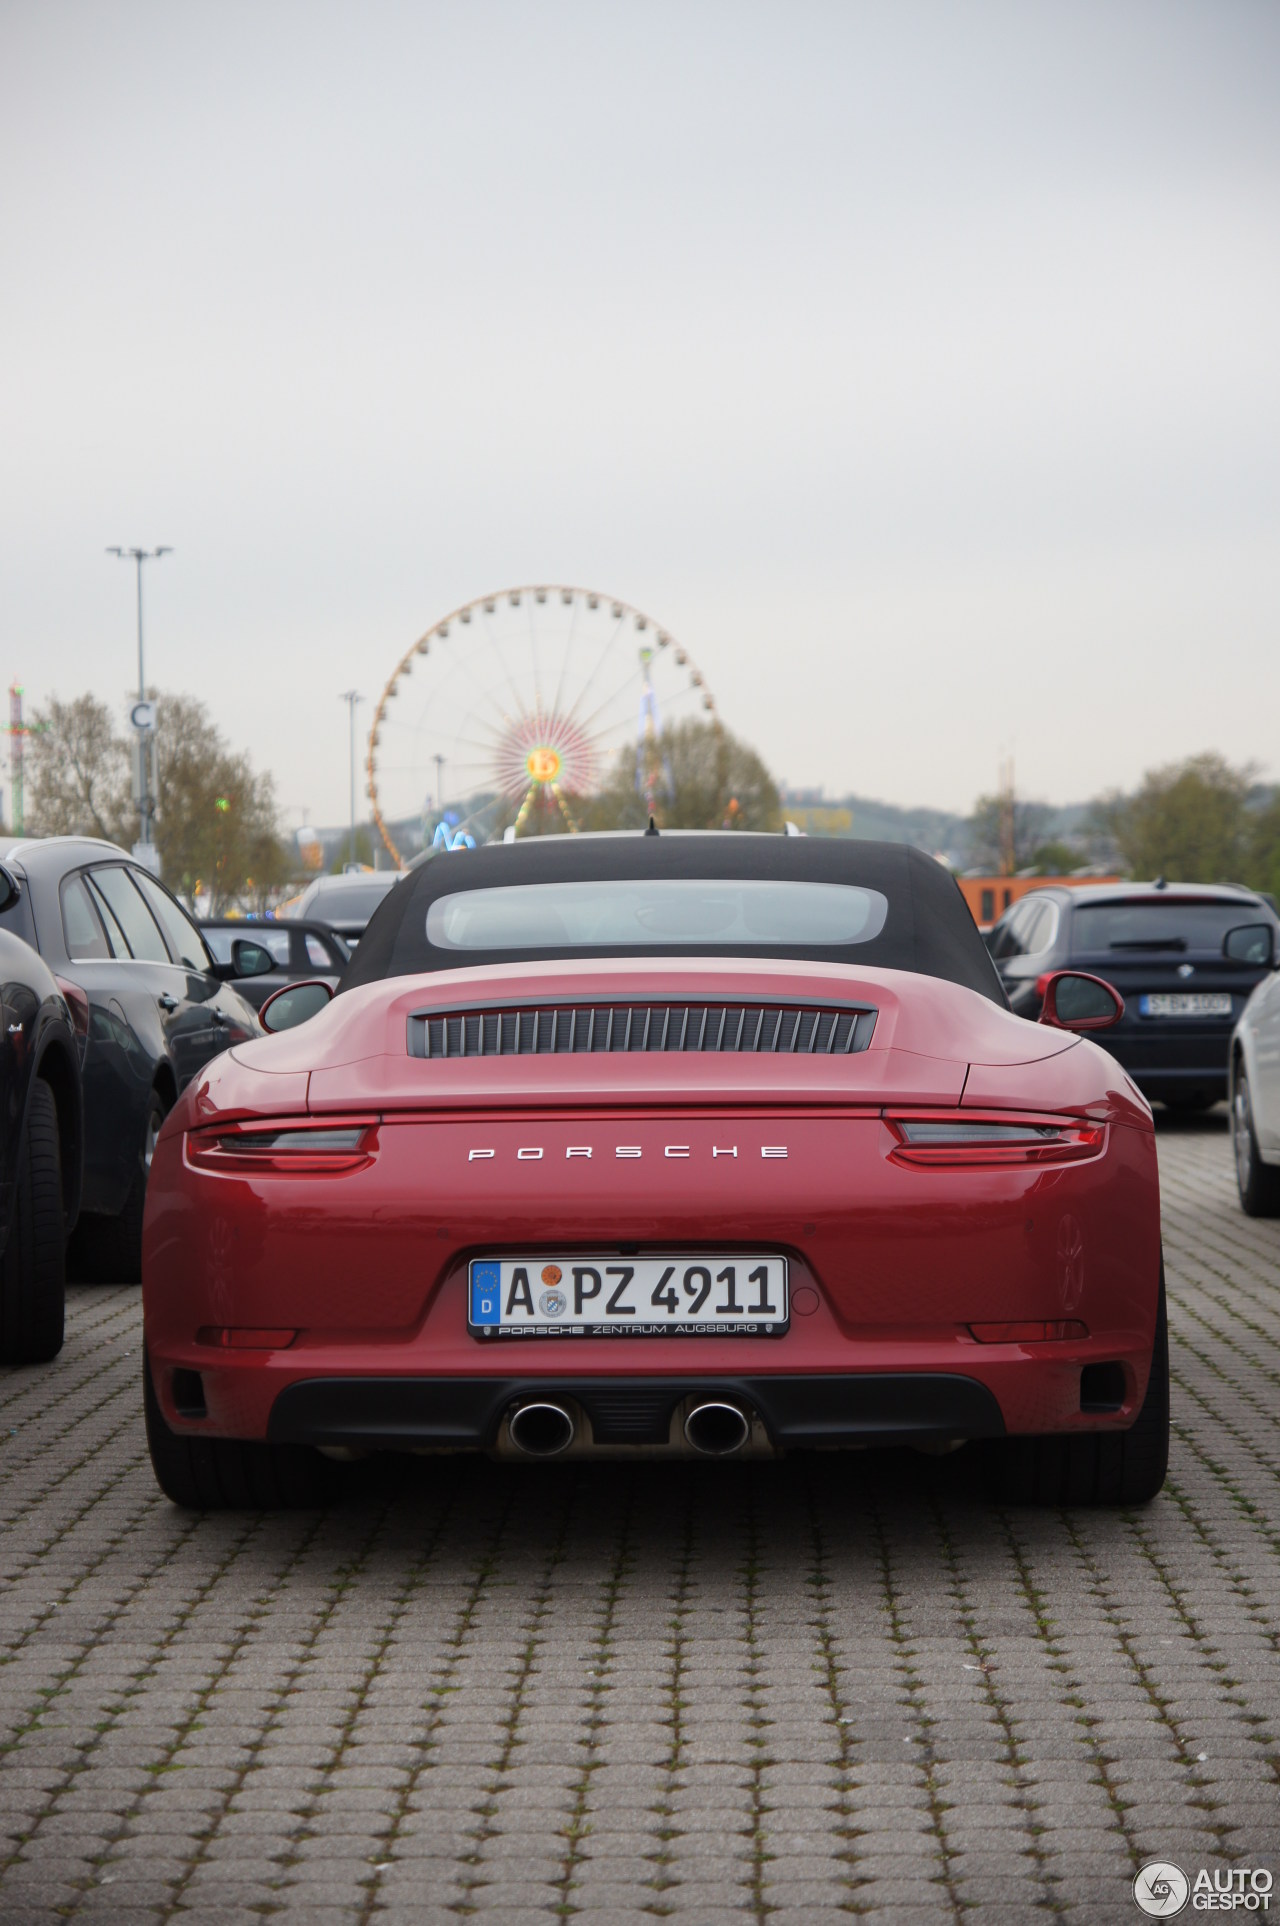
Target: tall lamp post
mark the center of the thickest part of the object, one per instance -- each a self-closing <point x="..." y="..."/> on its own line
<point x="351" y="697"/>
<point x="143" y="718"/>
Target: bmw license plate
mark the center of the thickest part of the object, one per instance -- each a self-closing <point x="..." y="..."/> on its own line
<point x="703" y="1296"/>
<point x="1186" y="1003"/>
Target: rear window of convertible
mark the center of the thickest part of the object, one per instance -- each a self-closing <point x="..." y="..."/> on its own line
<point x="665" y="910"/>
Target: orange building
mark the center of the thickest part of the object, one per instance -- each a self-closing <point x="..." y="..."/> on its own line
<point x="989" y="897"/>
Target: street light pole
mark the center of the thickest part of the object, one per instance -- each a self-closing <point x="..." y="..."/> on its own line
<point x="146" y="802"/>
<point x="351" y="697"/>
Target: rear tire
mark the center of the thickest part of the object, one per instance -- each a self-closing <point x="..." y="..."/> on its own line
<point x="33" y="1277"/>
<point x="1258" y="1183"/>
<point x="108" y="1250"/>
<point x="1092" y="1467"/>
<point x="230" y="1474"/>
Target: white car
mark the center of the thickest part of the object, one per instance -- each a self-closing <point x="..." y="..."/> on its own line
<point x="1255" y="1098"/>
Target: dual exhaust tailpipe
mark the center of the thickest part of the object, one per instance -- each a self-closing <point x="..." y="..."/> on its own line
<point x="543" y="1428"/>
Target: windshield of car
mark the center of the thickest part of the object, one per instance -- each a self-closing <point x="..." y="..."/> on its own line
<point x="658" y="912"/>
<point x="340" y="902"/>
<point x="1159" y="923"/>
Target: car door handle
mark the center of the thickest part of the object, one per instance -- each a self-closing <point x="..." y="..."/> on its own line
<point x="219" y="1016"/>
<point x="168" y="1002"/>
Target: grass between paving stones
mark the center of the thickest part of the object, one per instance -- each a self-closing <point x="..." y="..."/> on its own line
<point x="435" y="1695"/>
<point x="1099" y="1587"/>
<point x="1015" y="1766"/>
<point x="577" y="1827"/>
<point x="923" y="1759"/>
<point x="663" y="1880"/>
<point x="1073" y="1685"/>
<point x="521" y="1671"/>
<point x="843" y="1722"/>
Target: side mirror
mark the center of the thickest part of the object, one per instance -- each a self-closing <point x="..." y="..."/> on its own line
<point x="9" y="891"/>
<point x="1074" y="1001"/>
<point x="1248" y="943"/>
<point x="296" y="1003"/>
<point x="250" y="959"/>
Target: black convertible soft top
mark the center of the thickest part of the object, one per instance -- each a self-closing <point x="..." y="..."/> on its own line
<point x="928" y="928"/>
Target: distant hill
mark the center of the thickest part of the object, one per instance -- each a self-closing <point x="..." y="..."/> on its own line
<point x="940" y="831"/>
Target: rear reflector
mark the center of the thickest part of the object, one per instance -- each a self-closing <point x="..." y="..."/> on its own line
<point x="240" y="1337"/>
<point x="956" y="1139"/>
<point x="1030" y="1331"/>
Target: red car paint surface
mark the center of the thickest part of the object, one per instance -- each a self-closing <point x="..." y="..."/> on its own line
<point x="891" y="1263"/>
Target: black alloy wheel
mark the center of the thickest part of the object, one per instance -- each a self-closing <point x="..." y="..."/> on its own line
<point x="33" y="1276"/>
<point x="1092" y="1467"/>
<point x="1258" y="1183"/>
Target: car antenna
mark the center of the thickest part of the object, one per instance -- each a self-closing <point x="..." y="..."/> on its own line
<point x="652" y="830"/>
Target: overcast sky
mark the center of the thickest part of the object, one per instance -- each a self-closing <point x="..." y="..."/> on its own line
<point x="917" y="364"/>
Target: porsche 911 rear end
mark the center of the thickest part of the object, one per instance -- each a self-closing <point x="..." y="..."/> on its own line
<point x="716" y="1208"/>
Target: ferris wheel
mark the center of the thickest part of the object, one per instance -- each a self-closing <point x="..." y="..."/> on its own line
<point x="514" y="711"/>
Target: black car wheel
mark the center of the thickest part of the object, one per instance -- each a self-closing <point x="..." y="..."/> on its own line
<point x="108" y="1250"/>
<point x="33" y="1276"/>
<point x="1092" y="1467"/>
<point x="226" y="1474"/>
<point x="1258" y="1183"/>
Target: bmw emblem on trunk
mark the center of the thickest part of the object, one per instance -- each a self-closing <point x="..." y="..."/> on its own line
<point x="1186" y="969"/>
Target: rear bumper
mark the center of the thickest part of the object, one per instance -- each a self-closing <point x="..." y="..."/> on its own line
<point x="402" y="1414"/>
<point x="365" y="1276"/>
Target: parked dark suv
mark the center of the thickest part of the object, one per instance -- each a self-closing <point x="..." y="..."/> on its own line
<point x="41" y="1146"/>
<point x="149" y="1006"/>
<point x="1184" y="956"/>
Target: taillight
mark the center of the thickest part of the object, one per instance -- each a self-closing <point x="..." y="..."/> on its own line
<point x="295" y="1149"/>
<point x="979" y="1142"/>
<point x="78" y="1004"/>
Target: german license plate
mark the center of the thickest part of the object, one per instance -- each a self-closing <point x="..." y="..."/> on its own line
<point x="672" y="1296"/>
<point x="1186" y="1003"/>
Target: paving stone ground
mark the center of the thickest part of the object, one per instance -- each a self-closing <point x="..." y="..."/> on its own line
<point x="833" y="1686"/>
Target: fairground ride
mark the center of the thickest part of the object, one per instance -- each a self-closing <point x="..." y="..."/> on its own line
<point x="516" y="709"/>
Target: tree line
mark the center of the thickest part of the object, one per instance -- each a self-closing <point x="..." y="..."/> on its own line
<point x="215" y="825"/>
<point x="1202" y="820"/>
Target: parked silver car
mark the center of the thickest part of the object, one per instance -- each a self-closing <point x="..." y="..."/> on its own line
<point x="1255" y="1097"/>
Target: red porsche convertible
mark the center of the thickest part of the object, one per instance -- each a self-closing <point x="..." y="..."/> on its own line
<point x="661" y="1145"/>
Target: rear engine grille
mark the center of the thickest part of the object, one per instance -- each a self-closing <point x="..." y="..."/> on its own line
<point x="604" y="1029"/>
